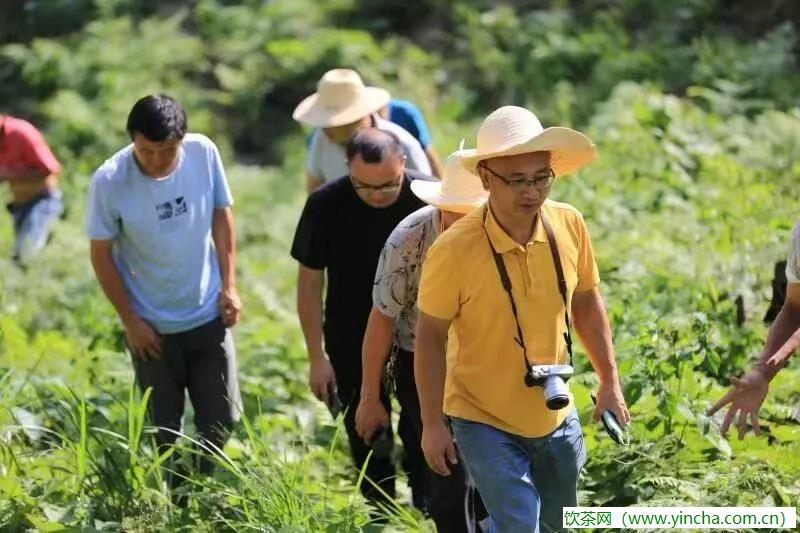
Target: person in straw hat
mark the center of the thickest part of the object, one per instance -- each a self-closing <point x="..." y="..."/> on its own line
<point x="342" y="106"/>
<point x="390" y="328"/>
<point x="492" y="281"/>
<point x="340" y="235"/>
<point x="406" y="114"/>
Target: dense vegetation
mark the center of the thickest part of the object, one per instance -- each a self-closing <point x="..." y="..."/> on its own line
<point x="695" y="111"/>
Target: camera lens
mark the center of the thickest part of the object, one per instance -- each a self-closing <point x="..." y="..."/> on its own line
<point x="557" y="402"/>
<point x="556" y="393"/>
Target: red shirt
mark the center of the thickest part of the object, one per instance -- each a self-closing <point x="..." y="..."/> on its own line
<point x="23" y="148"/>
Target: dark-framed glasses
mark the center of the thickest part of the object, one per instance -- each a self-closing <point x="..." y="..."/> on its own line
<point x="384" y="188"/>
<point x="541" y="180"/>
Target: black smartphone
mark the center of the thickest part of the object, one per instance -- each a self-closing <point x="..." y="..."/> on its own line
<point x="611" y="424"/>
<point x="381" y="442"/>
<point x="334" y="404"/>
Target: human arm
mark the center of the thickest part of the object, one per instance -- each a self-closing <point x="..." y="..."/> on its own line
<point x="594" y="331"/>
<point x="375" y="351"/>
<point x="588" y="313"/>
<point x="224" y="235"/>
<point x="430" y="369"/>
<point x="749" y="391"/>
<point x="309" y="309"/>
<point x="142" y="338"/>
<point x="102" y="227"/>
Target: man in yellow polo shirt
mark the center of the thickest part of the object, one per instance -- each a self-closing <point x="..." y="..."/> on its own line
<point x="524" y="452"/>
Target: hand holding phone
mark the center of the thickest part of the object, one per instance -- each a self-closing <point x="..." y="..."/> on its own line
<point x="334" y="404"/>
<point x="611" y="425"/>
<point x="382" y="442"/>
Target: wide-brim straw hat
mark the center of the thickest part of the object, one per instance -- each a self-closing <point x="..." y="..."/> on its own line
<point x="459" y="191"/>
<point x="513" y="130"/>
<point x="341" y="98"/>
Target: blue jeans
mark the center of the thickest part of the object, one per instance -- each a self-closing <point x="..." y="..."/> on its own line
<point x="33" y="221"/>
<point x="524" y="482"/>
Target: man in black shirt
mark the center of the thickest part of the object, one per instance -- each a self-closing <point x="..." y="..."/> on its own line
<point x="341" y="233"/>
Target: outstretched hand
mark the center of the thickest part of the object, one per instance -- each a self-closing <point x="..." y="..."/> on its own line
<point x="746" y="397"/>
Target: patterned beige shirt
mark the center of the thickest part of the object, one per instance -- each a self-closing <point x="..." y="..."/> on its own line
<point x="397" y="277"/>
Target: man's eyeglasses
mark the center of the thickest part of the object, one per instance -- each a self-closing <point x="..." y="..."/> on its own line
<point x="540" y="181"/>
<point x="385" y="188"/>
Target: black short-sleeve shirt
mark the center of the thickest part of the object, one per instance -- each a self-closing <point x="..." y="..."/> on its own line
<point x="342" y="234"/>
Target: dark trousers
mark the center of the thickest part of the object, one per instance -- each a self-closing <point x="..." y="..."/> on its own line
<point x="202" y="362"/>
<point x="449" y="501"/>
<point x="380" y="469"/>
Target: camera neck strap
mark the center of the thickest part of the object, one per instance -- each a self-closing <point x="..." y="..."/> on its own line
<point x="506" y="281"/>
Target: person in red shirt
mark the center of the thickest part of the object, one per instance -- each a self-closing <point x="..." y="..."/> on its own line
<point x="31" y="170"/>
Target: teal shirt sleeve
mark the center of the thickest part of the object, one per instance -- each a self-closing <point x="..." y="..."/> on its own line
<point x="408" y="115"/>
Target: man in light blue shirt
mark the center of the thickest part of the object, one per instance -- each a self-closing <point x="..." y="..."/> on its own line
<point x="154" y="209"/>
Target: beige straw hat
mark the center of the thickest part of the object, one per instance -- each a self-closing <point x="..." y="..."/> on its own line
<point x="513" y="130"/>
<point x="341" y="98"/>
<point x="459" y="191"/>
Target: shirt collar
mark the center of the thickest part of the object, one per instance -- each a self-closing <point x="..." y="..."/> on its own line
<point x="502" y="241"/>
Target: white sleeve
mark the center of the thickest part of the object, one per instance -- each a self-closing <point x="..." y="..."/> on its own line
<point x="417" y="160"/>
<point x="314" y="157"/>
<point x="793" y="259"/>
